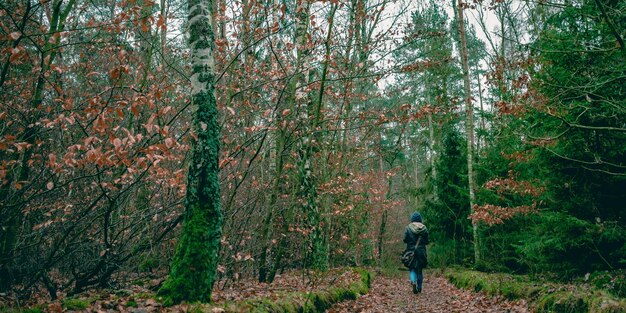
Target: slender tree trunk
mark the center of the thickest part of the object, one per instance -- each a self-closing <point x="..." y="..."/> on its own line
<point x="282" y="246"/>
<point x="277" y="156"/>
<point x="416" y="172"/>
<point x="381" y="235"/>
<point x="267" y="272"/>
<point x="318" y="238"/>
<point x="7" y="63"/>
<point x="433" y="163"/>
<point x="469" y="124"/>
<point x="306" y="175"/>
<point x="347" y="105"/>
<point x="194" y="265"/>
<point x="383" y="223"/>
<point x="268" y="223"/>
<point x="164" y="27"/>
<point x="482" y="110"/>
<point x="147" y="42"/>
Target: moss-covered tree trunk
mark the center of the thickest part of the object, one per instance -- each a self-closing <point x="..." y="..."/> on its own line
<point x="313" y="202"/>
<point x="194" y="265"/>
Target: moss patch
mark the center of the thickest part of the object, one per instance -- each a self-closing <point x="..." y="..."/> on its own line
<point x="131" y="304"/>
<point x="542" y="296"/>
<point x="76" y="304"/>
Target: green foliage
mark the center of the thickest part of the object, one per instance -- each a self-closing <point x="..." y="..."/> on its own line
<point x="542" y="296"/>
<point x="430" y="73"/>
<point x="582" y="76"/>
<point x="447" y="213"/>
<point x="569" y="140"/>
<point x="148" y="264"/>
<point x="444" y="252"/>
<point x="131" y="304"/>
<point x="558" y="242"/>
<point x="451" y="183"/>
<point x="613" y="282"/>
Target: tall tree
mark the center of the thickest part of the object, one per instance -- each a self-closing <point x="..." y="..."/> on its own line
<point x="195" y="263"/>
<point x="469" y="121"/>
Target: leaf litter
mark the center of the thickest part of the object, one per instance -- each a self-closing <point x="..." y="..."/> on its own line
<point x="394" y="295"/>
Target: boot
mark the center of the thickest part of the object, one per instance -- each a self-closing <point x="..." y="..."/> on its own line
<point x="415" y="289"/>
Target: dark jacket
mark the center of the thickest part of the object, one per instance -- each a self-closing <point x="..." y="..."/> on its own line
<point x="412" y="232"/>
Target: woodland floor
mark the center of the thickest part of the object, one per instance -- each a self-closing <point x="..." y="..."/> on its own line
<point x="387" y="294"/>
<point x="393" y="294"/>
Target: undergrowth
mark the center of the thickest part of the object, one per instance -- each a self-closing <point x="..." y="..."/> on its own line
<point x="296" y="302"/>
<point x="542" y="296"/>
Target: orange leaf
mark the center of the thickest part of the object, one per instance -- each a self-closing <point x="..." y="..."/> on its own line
<point x="161" y="22"/>
<point x="15" y="35"/>
<point x="169" y="142"/>
<point x="117" y="143"/>
<point x="144" y="25"/>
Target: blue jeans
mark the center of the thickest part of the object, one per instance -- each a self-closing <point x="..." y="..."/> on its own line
<point x="415" y="275"/>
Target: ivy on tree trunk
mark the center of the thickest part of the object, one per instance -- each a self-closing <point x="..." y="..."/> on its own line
<point x="194" y="265"/>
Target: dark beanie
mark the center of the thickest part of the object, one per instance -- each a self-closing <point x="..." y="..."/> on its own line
<point x="416" y="217"/>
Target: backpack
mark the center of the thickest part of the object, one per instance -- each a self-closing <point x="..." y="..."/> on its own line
<point x="408" y="259"/>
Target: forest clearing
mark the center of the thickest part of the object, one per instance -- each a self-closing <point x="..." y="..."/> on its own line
<point x="281" y="156"/>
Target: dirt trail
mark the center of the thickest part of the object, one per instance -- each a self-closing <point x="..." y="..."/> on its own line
<point x="394" y="295"/>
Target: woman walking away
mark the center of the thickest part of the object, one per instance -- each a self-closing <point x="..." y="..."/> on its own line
<point x="416" y="238"/>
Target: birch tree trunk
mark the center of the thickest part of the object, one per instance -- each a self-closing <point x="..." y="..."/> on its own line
<point x="194" y="265"/>
<point x="469" y="124"/>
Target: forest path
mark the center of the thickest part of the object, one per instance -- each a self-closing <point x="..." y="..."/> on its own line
<point x="393" y="294"/>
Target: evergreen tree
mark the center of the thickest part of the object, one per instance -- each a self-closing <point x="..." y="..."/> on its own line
<point x="448" y="214"/>
<point x="580" y="132"/>
<point x="580" y="126"/>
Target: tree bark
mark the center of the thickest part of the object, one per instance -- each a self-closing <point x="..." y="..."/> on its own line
<point x="164" y="27"/>
<point x="433" y="163"/>
<point x="482" y="110"/>
<point x="194" y="266"/>
<point x="469" y="124"/>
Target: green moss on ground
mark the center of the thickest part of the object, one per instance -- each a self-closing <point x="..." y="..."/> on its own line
<point x="297" y="302"/>
<point x="76" y="304"/>
<point x="542" y="297"/>
<point x="131" y="304"/>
